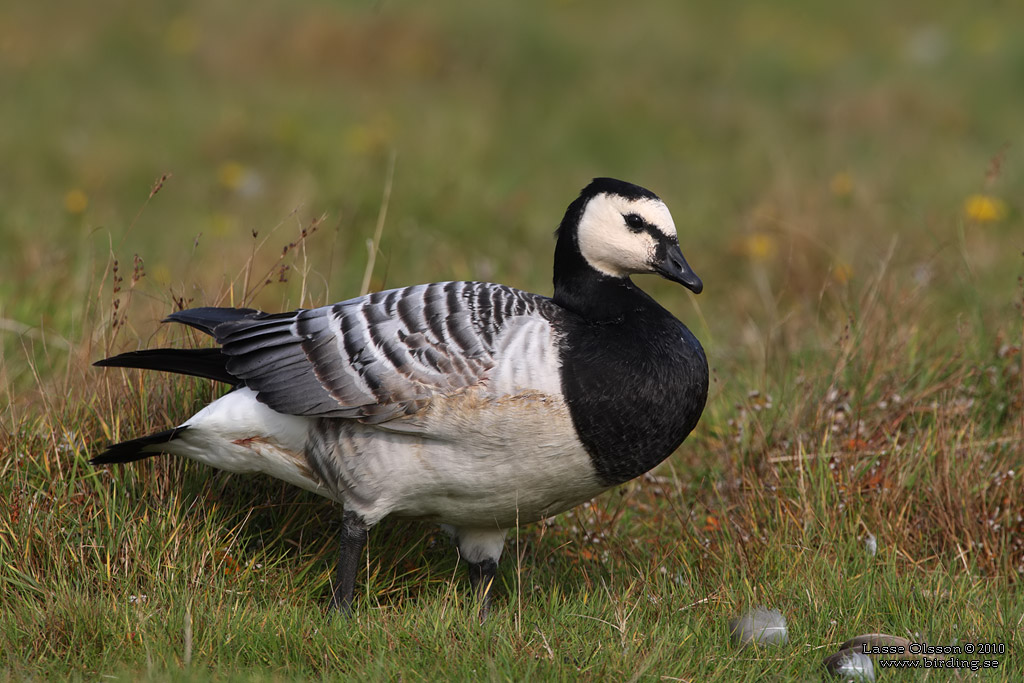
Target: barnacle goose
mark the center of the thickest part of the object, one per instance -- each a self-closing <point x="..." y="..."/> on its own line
<point x="471" y="404"/>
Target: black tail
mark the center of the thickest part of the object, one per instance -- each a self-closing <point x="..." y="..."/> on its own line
<point x="208" y="363"/>
<point x="130" y="451"/>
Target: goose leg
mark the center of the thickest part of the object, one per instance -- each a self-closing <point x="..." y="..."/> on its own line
<point x="353" y="539"/>
<point x="481" y="549"/>
<point x="481" y="581"/>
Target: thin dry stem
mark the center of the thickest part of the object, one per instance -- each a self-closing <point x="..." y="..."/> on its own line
<point x="374" y="244"/>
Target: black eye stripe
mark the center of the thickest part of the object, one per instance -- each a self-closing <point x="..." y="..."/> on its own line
<point x="636" y="224"/>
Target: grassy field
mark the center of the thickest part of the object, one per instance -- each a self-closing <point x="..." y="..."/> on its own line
<point x="846" y="178"/>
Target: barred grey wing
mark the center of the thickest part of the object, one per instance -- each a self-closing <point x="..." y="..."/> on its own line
<point x="376" y="357"/>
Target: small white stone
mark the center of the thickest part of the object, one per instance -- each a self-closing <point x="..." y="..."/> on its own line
<point x="850" y="665"/>
<point x="759" y="626"/>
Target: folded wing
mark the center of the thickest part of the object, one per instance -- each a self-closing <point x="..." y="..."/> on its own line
<point x="374" y="358"/>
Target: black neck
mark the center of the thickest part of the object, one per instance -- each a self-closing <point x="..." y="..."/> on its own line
<point x="635" y="385"/>
<point x="581" y="288"/>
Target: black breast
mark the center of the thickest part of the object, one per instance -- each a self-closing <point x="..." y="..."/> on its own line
<point x="635" y="386"/>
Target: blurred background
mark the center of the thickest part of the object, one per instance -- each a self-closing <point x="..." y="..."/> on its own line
<point x="845" y="178"/>
<point x="803" y="147"/>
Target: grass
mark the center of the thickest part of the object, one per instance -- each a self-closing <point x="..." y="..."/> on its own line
<point x="863" y="321"/>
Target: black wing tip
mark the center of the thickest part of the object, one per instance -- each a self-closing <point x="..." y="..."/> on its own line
<point x="133" y="449"/>
<point x="207" y="318"/>
<point x="209" y="312"/>
<point x="210" y="363"/>
<point x="128" y="359"/>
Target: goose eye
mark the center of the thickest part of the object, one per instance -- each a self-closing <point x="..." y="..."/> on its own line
<point x="635" y="222"/>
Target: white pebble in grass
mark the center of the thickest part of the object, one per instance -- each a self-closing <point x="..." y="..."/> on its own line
<point x="759" y="626"/>
<point x="871" y="544"/>
<point x="850" y="665"/>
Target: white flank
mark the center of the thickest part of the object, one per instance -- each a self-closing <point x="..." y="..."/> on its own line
<point x="237" y="433"/>
<point x="526" y="359"/>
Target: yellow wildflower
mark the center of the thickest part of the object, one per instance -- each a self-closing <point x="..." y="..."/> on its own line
<point x="841" y="185"/>
<point x="76" y="201"/>
<point x="983" y="208"/>
<point x="760" y="247"/>
<point x="181" y="36"/>
<point x="230" y="174"/>
<point x="842" y="272"/>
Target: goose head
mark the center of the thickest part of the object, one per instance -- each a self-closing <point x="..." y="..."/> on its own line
<point x="615" y="229"/>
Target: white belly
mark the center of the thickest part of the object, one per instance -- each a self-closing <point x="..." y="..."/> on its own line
<point x="469" y="460"/>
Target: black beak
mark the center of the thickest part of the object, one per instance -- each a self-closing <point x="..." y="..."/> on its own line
<point x="675" y="268"/>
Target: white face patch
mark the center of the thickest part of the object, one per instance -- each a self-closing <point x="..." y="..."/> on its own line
<point x="608" y="244"/>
